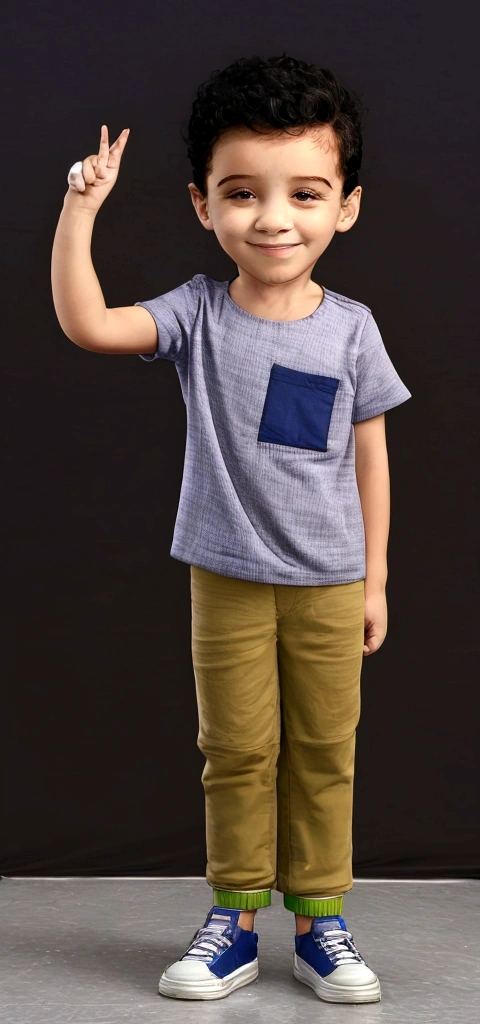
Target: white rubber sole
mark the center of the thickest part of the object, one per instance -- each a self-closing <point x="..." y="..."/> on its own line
<point x="335" y="993"/>
<point x="217" y="988"/>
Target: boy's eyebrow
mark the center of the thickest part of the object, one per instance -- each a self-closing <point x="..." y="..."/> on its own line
<point x="297" y="177"/>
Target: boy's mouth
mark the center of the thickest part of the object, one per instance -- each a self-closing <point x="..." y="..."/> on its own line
<point x="276" y="250"/>
<point x="286" y="245"/>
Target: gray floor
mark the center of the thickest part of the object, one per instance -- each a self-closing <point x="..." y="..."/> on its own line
<point x="90" y="951"/>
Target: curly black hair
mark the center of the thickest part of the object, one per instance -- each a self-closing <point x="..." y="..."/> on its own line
<point x="272" y="95"/>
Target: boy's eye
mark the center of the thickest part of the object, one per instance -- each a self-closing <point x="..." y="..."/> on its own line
<point x="301" y="192"/>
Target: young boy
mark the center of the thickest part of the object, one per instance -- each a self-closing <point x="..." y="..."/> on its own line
<point x="284" y="507"/>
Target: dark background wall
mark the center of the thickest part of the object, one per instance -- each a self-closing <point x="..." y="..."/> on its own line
<point x="101" y="772"/>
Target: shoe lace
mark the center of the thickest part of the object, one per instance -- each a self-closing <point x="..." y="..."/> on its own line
<point x="339" y="946"/>
<point x="208" y="941"/>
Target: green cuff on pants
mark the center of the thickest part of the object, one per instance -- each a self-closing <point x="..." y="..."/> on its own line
<point x="314" y="908"/>
<point x="242" y="900"/>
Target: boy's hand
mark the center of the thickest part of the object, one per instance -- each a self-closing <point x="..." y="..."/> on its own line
<point x="92" y="179"/>
<point x="375" y="620"/>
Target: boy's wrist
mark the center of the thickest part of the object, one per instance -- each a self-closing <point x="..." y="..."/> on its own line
<point x="376" y="579"/>
<point x="73" y="203"/>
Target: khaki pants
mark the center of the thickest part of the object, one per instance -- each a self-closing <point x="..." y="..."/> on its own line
<point x="277" y="676"/>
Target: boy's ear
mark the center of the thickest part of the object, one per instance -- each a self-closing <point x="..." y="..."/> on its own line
<point x="201" y="206"/>
<point x="350" y="210"/>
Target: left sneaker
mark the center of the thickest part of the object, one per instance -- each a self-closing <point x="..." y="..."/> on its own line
<point x="327" y="960"/>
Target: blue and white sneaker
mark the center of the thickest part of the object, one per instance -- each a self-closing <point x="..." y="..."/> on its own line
<point x="221" y="957"/>
<point x="327" y="960"/>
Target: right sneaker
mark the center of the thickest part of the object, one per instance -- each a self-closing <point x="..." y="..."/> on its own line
<point x="221" y="957"/>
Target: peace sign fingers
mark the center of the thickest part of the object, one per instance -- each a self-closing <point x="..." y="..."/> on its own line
<point x="96" y="175"/>
<point x="110" y="156"/>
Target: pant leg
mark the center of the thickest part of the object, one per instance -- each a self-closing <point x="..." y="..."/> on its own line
<point x="236" y="677"/>
<point x="320" y="655"/>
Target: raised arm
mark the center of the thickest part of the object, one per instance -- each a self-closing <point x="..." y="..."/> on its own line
<point x="77" y="295"/>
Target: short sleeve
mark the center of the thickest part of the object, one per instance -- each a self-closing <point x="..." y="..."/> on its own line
<point x="378" y="385"/>
<point x="174" y="313"/>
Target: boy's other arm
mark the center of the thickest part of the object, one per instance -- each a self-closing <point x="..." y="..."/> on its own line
<point x="373" y="480"/>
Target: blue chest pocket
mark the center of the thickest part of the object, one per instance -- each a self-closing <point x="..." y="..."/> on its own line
<point x="298" y="408"/>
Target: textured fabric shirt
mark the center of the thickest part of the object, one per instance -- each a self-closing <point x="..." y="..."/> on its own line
<point x="269" y="490"/>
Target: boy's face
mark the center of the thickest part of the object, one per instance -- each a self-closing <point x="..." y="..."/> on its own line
<point x="277" y="204"/>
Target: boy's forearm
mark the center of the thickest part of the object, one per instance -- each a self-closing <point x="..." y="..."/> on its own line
<point x="77" y="295"/>
<point x="373" y="481"/>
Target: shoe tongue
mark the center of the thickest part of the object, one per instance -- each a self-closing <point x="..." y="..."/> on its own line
<point x="221" y="916"/>
<point x="322" y="924"/>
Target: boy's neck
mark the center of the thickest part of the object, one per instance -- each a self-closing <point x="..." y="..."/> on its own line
<point x="280" y="309"/>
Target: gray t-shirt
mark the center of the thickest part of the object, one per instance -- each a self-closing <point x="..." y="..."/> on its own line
<point x="269" y="490"/>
